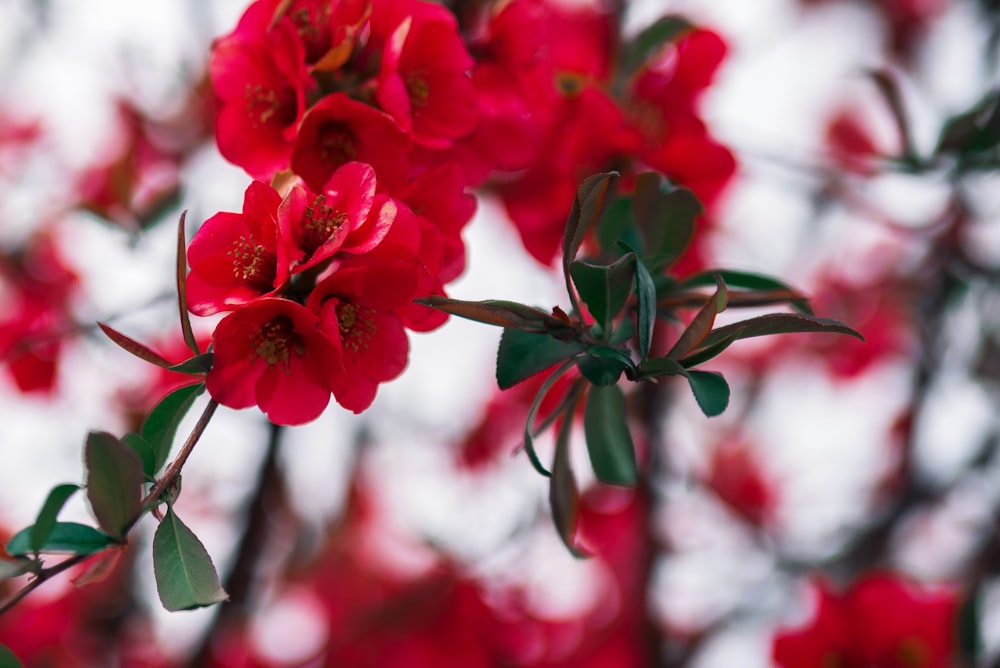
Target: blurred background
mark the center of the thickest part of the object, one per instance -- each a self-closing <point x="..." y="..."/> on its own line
<point x="865" y="139"/>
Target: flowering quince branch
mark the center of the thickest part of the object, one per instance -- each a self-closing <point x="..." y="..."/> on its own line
<point x="616" y="303"/>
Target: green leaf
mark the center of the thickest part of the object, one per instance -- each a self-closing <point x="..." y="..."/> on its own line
<point x="46" y="519"/>
<point x="609" y="442"/>
<point x="564" y="497"/>
<point x="774" y="323"/>
<point x="160" y="427"/>
<point x="618" y="225"/>
<point x="13" y="567"/>
<point x="185" y="576"/>
<point x="510" y="315"/>
<point x="604" y="288"/>
<point x="652" y="39"/>
<point x="602" y="365"/>
<point x="588" y="205"/>
<point x="646" y="314"/>
<point x="749" y="281"/>
<point x="66" y="538"/>
<point x="970" y="637"/>
<point x="522" y="355"/>
<point x="198" y="365"/>
<point x="665" y="216"/>
<point x="711" y="391"/>
<point x="114" y="482"/>
<point x="529" y="423"/>
<point x="8" y="660"/>
<point x="145" y="453"/>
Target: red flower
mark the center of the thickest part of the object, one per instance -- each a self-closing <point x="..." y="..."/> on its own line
<point x="438" y="196"/>
<point x="736" y="476"/>
<point x="358" y="308"/>
<point x="338" y="130"/>
<point x="343" y="217"/>
<point x="423" y="82"/>
<point x="272" y="354"/>
<point x="235" y="258"/>
<point x="261" y="80"/>
<point x="882" y="620"/>
<point x="664" y="109"/>
<point x="36" y="286"/>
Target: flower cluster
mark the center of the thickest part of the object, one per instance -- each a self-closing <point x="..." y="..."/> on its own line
<point x="881" y="620"/>
<point x="353" y="105"/>
<point x="559" y="101"/>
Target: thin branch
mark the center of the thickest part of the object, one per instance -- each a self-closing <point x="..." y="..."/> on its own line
<point x="174" y="470"/>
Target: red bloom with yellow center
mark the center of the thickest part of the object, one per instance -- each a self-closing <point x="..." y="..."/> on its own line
<point x="271" y="354"/>
<point x="423" y="82"/>
<point x="339" y="130"/>
<point x="346" y="216"/>
<point x="260" y="78"/>
<point x="235" y="257"/>
<point x="358" y="309"/>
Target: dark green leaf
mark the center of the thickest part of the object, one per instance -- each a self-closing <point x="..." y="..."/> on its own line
<point x="145" y="453"/>
<point x="665" y="216"/>
<point x="46" y="519"/>
<point x="659" y="366"/>
<point x="711" y="391"/>
<point x="66" y="538"/>
<point x="602" y="365"/>
<point x="160" y="427"/>
<point x="775" y="323"/>
<point x="604" y="288"/>
<point x="973" y="131"/>
<point x="970" y="637"/>
<point x="588" y="205"/>
<point x="749" y="281"/>
<point x="646" y="310"/>
<point x="652" y="39"/>
<point x="529" y="423"/>
<point x="522" y="355"/>
<point x="114" y="482"/>
<point x="564" y="497"/>
<point x="196" y="366"/>
<point x="8" y="660"/>
<point x="185" y="575"/>
<point x="618" y="225"/>
<point x="510" y="315"/>
<point x="609" y="442"/>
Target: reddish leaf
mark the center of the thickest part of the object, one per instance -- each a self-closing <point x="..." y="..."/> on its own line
<point x="132" y="346"/>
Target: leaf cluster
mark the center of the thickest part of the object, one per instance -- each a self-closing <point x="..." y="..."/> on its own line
<point x="618" y="294"/>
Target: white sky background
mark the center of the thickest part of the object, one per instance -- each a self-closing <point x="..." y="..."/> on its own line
<point x="786" y="70"/>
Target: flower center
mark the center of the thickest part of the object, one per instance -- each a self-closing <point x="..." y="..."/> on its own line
<point x="912" y="652"/>
<point x="356" y="325"/>
<point x="267" y="106"/>
<point x="274" y="341"/>
<point x="336" y="144"/>
<point x="417" y="88"/>
<point x="322" y="223"/>
<point x="253" y="264"/>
